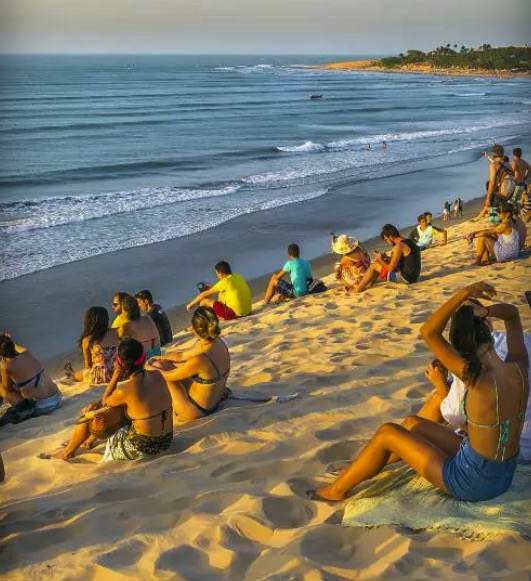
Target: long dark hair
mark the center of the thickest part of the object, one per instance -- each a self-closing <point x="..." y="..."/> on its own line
<point x="206" y="323"/>
<point x="131" y="357"/>
<point x="95" y="326"/>
<point x="467" y="334"/>
<point x="505" y="207"/>
<point x="7" y="347"/>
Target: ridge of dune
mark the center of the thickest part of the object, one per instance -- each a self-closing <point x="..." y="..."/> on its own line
<point x="227" y="501"/>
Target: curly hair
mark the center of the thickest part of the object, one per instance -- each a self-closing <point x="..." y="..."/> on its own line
<point x="205" y="323"/>
<point x="467" y="334"/>
<point x="7" y="347"/>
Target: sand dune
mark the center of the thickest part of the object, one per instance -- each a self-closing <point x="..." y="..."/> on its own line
<point x="228" y="501"/>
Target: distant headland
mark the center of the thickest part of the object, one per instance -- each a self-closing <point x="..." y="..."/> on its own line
<point x="483" y="60"/>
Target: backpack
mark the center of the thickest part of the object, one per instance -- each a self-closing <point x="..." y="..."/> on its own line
<point x="505" y="181"/>
<point x="316" y="286"/>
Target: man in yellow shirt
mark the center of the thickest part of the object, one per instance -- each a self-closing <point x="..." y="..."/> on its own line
<point x="120" y="318"/>
<point x="234" y="294"/>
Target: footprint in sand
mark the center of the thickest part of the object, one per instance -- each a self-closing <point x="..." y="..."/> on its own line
<point x="287" y="512"/>
<point x="125" y="555"/>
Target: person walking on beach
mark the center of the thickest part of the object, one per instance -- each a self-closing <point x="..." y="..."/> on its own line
<point x="144" y="298"/>
<point x="521" y="170"/>
<point x="234" y="294"/>
<point x="120" y="318"/>
<point x="300" y="273"/>
<point x="481" y="465"/>
<point x="446" y="212"/>
<point x="424" y="233"/>
<point x="403" y="265"/>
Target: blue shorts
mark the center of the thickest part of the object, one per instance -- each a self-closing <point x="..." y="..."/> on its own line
<point x="285" y="289"/>
<point x="471" y="477"/>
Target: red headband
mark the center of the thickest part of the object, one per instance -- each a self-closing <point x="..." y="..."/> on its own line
<point x="136" y="363"/>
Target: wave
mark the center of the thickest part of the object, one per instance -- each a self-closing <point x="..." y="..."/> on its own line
<point x="468" y="94"/>
<point x="22" y="216"/>
<point x="305" y="147"/>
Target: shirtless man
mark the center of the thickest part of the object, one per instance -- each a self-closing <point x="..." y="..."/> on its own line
<point x="521" y="170"/>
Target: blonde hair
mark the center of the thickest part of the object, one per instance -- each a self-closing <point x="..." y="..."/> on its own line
<point x="205" y="323"/>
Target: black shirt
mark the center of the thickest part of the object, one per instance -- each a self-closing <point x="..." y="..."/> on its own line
<point x="409" y="266"/>
<point x="163" y="324"/>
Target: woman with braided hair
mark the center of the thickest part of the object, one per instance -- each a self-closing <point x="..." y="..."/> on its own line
<point x="481" y="465"/>
<point x="197" y="378"/>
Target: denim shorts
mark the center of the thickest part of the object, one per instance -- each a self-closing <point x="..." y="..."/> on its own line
<point x="471" y="477"/>
<point x="285" y="289"/>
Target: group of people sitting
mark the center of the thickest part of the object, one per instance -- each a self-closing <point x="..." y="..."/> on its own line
<point x="466" y="439"/>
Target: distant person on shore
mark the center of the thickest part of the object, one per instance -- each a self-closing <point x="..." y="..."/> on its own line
<point x="424" y="233"/>
<point x="143" y="329"/>
<point x="300" y="273"/>
<point x="120" y="318"/>
<point x="500" y="243"/>
<point x="459" y="207"/>
<point x="446" y="212"/>
<point x="197" y="378"/>
<point x="355" y="261"/>
<point x="147" y="417"/>
<point x="384" y="144"/>
<point x="521" y="170"/>
<point x="25" y="383"/>
<point x="234" y="294"/>
<point x="480" y="465"/>
<point x="144" y="298"/>
<point x="98" y="344"/>
<point x="403" y="265"/>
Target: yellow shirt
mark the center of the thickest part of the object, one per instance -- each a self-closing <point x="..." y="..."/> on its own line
<point x="119" y="321"/>
<point x="235" y="293"/>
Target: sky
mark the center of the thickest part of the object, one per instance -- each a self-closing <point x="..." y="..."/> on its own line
<point x="258" y="26"/>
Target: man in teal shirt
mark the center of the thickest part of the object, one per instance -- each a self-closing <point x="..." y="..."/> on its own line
<point x="300" y="273"/>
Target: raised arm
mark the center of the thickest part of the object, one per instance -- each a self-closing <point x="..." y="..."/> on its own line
<point x="516" y="349"/>
<point x="433" y="329"/>
<point x="398" y="250"/>
<point x="205" y="294"/>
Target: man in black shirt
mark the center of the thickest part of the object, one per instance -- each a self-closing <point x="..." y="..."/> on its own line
<point x="145" y="302"/>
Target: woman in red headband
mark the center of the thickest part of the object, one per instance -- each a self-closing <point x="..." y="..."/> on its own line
<point x="144" y="404"/>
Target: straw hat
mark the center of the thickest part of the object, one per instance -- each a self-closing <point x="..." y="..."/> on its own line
<point x="345" y="244"/>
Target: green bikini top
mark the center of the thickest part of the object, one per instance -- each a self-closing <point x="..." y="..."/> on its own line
<point x="505" y="426"/>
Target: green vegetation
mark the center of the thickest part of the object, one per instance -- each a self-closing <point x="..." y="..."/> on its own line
<point x="506" y="58"/>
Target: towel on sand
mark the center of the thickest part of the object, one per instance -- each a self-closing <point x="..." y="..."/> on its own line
<point x="402" y="498"/>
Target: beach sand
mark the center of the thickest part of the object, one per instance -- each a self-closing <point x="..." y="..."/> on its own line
<point x="228" y="501"/>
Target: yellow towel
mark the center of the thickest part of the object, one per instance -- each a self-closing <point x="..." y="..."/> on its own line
<point x="402" y="498"/>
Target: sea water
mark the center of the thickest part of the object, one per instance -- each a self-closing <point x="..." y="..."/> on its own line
<point x="102" y="153"/>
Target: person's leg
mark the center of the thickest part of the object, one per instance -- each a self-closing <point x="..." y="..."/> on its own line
<point x="80" y="435"/>
<point x="183" y="408"/>
<point x="207" y="303"/>
<point x="425" y="458"/>
<point x="271" y="289"/>
<point x="485" y="249"/>
<point x="369" y="277"/>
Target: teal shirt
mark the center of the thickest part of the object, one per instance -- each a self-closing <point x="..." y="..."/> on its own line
<point x="299" y="271"/>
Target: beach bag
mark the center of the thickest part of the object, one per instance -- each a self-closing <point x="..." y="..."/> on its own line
<point x="107" y="421"/>
<point x="316" y="286"/>
<point x="506" y="182"/>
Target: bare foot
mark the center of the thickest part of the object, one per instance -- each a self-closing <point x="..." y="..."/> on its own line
<point x="337" y="469"/>
<point x="59" y="454"/>
<point x="329" y="493"/>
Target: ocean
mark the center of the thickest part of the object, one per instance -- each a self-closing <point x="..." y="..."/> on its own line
<point x="104" y="153"/>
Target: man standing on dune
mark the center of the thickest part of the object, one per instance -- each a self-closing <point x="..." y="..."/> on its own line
<point x="521" y="170"/>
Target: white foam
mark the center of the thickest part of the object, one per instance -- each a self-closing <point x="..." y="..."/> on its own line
<point x="305" y="147"/>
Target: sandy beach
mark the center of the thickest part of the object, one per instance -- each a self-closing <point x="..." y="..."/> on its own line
<point x="373" y="65"/>
<point x="227" y="502"/>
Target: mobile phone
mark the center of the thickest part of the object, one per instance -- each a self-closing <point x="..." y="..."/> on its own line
<point x="202" y="286"/>
<point x="528" y="297"/>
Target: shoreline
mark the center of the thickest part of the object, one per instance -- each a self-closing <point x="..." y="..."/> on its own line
<point x="371" y="66"/>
